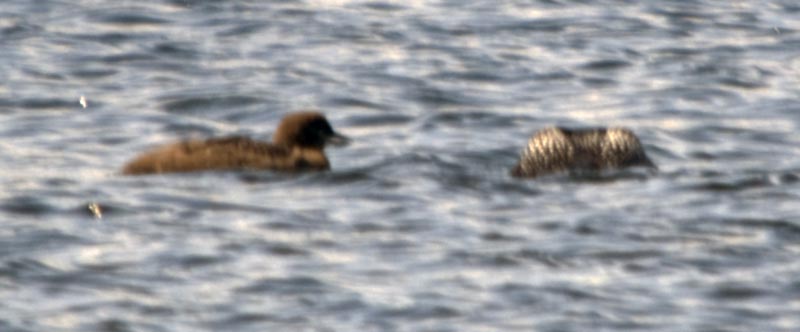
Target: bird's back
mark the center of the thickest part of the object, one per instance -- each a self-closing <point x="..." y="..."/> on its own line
<point x="554" y="150"/>
<point x="215" y="154"/>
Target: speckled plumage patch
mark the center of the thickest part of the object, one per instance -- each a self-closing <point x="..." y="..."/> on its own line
<point x="553" y="150"/>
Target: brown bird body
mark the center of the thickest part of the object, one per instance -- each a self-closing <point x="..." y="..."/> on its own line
<point x="298" y="144"/>
<point x="553" y="150"/>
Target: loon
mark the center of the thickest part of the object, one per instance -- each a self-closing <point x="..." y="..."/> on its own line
<point x="554" y="150"/>
<point x="297" y="144"/>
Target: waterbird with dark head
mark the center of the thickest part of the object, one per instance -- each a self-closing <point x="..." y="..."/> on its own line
<point x="298" y="144"/>
<point x="554" y="150"/>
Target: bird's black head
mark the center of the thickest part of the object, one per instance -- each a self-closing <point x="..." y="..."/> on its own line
<point x="307" y="129"/>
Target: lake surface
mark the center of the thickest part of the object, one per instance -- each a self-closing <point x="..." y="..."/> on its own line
<point x="418" y="226"/>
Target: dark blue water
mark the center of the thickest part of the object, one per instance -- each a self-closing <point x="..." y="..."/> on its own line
<point x="418" y="226"/>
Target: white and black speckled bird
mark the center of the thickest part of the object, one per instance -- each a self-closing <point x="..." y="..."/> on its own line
<point x="554" y="150"/>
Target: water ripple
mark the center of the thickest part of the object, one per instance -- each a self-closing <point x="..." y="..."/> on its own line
<point x="418" y="225"/>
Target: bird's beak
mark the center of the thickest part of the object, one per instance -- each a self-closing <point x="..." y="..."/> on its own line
<point x="337" y="140"/>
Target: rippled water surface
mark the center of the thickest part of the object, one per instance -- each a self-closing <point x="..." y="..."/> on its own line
<point x="418" y="226"/>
